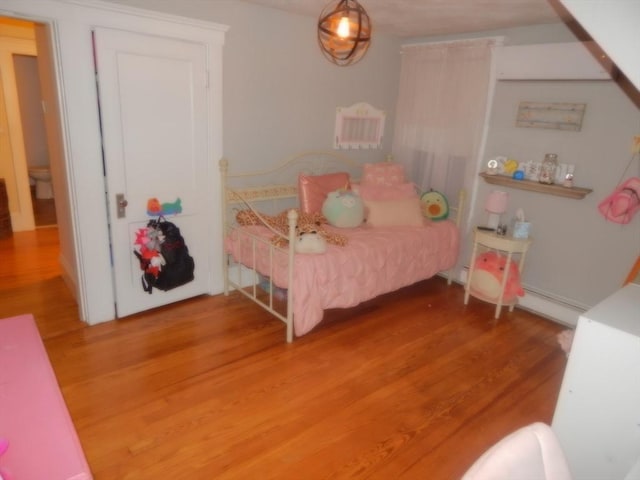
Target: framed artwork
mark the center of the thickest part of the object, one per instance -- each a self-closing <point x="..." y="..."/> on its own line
<point x="557" y="116"/>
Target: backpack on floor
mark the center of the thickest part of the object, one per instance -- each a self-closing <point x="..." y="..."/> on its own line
<point x="164" y="256"/>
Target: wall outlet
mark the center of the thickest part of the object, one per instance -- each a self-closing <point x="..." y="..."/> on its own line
<point x="635" y="149"/>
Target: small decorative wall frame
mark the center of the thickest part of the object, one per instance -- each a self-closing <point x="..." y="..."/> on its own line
<point x="359" y="126"/>
<point x="557" y="116"/>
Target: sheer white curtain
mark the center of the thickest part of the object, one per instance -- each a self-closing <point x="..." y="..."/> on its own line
<point x="440" y="115"/>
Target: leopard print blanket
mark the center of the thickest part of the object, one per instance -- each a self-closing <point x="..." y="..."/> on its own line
<point x="307" y="223"/>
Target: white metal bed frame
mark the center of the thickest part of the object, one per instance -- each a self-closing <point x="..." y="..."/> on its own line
<point x="240" y="191"/>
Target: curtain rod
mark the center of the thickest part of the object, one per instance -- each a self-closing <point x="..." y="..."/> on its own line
<point x="499" y="40"/>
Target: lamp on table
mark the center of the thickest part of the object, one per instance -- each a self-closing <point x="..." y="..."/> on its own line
<point x="495" y="205"/>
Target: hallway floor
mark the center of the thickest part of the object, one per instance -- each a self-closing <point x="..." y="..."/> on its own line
<point x="44" y="210"/>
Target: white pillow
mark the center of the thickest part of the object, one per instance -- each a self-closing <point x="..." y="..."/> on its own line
<point x="394" y="213"/>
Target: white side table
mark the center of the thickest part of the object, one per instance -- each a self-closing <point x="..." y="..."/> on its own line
<point x="484" y="240"/>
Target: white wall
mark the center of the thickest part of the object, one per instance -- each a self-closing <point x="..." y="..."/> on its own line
<point x="280" y="93"/>
<point x="576" y="254"/>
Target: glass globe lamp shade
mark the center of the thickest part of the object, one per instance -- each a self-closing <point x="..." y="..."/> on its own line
<point x="344" y="32"/>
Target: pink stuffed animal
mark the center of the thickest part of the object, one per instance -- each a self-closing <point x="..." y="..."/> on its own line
<point x="488" y="272"/>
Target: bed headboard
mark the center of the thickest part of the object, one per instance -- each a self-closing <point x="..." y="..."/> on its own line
<point x="281" y="181"/>
<point x="275" y="189"/>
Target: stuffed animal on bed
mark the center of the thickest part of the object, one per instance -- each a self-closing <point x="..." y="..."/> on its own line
<point x="311" y="242"/>
<point x="307" y="223"/>
<point x="434" y="205"/>
<point x="343" y="209"/>
<point x="488" y="271"/>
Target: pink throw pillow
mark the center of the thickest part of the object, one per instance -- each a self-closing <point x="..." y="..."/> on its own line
<point x="382" y="173"/>
<point x="394" y="213"/>
<point x="313" y="189"/>
<point x="386" y="192"/>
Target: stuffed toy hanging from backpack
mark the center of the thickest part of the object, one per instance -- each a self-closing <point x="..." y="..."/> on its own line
<point x="163" y="255"/>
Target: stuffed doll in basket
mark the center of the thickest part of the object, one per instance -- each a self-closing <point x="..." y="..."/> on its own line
<point x="488" y="272"/>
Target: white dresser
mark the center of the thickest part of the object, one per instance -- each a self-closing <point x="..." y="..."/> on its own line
<point x="597" y="417"/>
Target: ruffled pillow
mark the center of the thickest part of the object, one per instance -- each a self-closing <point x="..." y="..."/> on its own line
<point x="382" y="173"/>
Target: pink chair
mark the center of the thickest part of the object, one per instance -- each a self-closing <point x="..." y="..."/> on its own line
<point x="530" y="453"/>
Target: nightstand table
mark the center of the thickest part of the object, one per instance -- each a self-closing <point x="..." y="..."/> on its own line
<point x="483" y="241"/>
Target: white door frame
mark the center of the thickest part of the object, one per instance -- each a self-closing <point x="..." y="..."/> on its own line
<point x="71" y="22"/>
<point x="18" y="184"/>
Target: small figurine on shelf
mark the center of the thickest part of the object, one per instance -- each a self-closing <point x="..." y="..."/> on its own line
<point x="510" y="166"/>
<point x="548" y="168"/>
<point x="518" y="175"/>
<point x="492" y="167"/>
<point x="568" y="178"/>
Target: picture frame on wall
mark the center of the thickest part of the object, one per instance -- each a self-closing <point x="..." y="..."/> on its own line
<point x="557" y="116"/>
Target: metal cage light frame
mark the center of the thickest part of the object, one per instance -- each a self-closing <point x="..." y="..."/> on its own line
<point x="348" y="46"/>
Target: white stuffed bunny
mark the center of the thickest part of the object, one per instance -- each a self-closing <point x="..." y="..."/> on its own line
<point x="310" y="243"/>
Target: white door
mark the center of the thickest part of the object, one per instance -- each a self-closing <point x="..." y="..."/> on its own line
<point x="153" y="103"/>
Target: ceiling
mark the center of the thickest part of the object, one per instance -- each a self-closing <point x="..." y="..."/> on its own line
<point x="421" y="18"/>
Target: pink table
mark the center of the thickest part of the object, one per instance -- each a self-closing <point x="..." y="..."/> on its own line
<point x="43" y="443"/>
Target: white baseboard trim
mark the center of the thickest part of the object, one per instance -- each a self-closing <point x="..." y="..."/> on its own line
<point x="563" y="314"/>
<point x="68" y="278"/>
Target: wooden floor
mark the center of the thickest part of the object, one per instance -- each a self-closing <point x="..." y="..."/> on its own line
<point x="412" y="385"/>
<point x="44" y="210"/>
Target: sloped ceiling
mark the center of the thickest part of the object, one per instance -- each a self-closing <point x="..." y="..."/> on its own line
<point x="421" y="18"/>
<point x="614" y="26"/>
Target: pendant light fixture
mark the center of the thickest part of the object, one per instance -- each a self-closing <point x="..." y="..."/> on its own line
<point x="344" y="32"/>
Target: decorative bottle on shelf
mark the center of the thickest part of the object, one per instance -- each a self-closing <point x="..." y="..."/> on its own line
<point x="548" y="169"/>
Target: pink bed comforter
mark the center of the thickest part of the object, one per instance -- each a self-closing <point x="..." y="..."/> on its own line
<point x="375" y="261"/>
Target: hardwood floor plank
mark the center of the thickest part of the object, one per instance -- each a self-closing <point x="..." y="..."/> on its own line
<point x="413" y="384"/>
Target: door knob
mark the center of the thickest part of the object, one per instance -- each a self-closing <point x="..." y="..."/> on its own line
<point x="122" y="203"/>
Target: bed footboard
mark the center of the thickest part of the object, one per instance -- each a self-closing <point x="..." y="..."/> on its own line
<point x="271" y="191"/>
<point x="244" y="276"/>
<point x="251" y="272"/>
